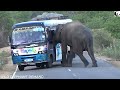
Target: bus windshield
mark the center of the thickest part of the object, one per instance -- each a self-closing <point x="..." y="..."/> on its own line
<point x="27" y="36"/>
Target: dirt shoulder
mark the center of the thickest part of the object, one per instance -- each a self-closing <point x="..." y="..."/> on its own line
<point x="9" y="68"/>
<point x="7" y="49"/>
<point x="109" y="60"/>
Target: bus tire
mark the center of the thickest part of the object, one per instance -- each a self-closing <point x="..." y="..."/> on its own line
<point x="38" y="65"/>
<point x="21" y="67"/>
<point x="42" y="65"/>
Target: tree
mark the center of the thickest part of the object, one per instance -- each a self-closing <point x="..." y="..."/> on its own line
<point x="113" y="26"/>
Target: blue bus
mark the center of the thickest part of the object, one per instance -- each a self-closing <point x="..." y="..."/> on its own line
<point x="30" y="47"/>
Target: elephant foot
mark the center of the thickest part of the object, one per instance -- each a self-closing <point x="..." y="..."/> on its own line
<point x="69" y="65"/>
<point x="95" y="65"/>
<point x="86" y="64"/>
<point x="64" y="65"/>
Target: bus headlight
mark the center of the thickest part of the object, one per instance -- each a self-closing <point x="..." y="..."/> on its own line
<point x="15" y="54"/>
<point x="40" y="52"/>
<point x="42" y="49"/>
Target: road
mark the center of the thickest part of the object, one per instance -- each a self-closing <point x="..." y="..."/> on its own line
<point x="77" y="71"/>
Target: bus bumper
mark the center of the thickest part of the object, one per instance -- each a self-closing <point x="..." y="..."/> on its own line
<point x="38" y="58"/>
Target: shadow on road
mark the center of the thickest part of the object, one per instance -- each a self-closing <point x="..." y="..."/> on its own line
<point x="75" y="64"/>
<point x="36" y="68"/>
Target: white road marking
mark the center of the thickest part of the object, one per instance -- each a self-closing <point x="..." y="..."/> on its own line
<point x="14" y="72"/>
<point x="42" y="76"/>
<point x="69" y="69"/>
<point x="74" y="75"/>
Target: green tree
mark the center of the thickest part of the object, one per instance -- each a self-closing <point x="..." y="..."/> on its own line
<point x="21" y="16"/>
<point x="5" y="21"/>
<point x="113" y="26"/>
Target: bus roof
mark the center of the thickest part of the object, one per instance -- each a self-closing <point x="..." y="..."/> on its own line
<point x="49" y="23"/>
<point x="55" y="22"/>
<point x="27" y="24"/>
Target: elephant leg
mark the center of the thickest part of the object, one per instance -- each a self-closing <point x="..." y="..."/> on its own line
<point x="73" y="55"/>
<point x="86" y="63"/>
<point x="91" y="54"/>
<point x="64" y="61"/>
<point x="54" y="48"/>
<point x="69" y="59"/>
<point x="64" y="52"/>
<point x="70" y="56"/>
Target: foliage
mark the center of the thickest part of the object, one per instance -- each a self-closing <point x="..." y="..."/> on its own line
<point x="102" y="38"/>
<point x="113" y="26"/>
<point x="5" y="20"/>
<point x="113" y="51"/>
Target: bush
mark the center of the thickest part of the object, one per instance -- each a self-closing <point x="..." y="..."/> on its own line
<point x="95" y="23"/>
<point x="102" y="38"/>
<point x="113" y="26"/>
<point x="113" y="51"/>
<point x="105" y="44"/>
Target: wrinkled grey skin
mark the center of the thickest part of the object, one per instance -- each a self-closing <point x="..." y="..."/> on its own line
<point x="79" y="38"/>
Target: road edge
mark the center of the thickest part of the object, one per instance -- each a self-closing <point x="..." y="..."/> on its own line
<point x="14" y="72"/>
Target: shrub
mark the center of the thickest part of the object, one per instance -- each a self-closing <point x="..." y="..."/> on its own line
<point x="102" y="38"/>
<point x="113" y="26"/>
<point x="113" y="51"/>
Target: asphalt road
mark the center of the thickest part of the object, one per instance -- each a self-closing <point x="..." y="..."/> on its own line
<point x="77" y="71"/>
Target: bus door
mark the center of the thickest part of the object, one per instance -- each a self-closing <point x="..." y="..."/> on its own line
<point x="58" y="52"/>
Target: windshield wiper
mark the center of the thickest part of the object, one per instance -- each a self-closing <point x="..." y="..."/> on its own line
<point x="25" y="42"/>
<point x="20" y="43"/>
<point x="37" y="41"/>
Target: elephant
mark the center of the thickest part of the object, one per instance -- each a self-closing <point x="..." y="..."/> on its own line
<point x="79" y="38"/>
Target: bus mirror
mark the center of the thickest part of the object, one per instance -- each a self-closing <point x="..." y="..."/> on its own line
<point x="47" y="28"/>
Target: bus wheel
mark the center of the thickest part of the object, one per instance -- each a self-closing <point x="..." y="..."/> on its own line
<point x="21" y="67"/>
<point x="49" y="64"/>
<point x="42" y="65"/>
<point x="38" y="65"/>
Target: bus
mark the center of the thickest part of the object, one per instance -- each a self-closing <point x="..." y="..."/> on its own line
<point x="30" y="47"/>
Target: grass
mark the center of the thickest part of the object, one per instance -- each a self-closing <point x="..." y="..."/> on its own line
<point x="113" y="51"/>
<point x="105" y="45"/>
